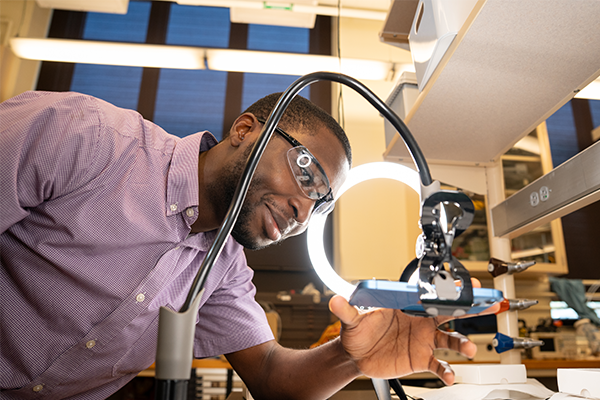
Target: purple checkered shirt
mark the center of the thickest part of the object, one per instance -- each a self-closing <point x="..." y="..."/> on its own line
<point x="96" y="206"/>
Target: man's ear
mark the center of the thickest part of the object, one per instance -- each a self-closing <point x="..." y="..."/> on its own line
<point x="244" y="126"/>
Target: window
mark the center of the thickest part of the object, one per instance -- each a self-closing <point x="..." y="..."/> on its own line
<point x="117" y="85"/>
<point x="182" y="101"/>
<point x="130" y="27"/>
<point x="198" y="26"/>
<point x="562" y="135"/>
<point x="189" y="101"/>
<point x="272" y="38"/>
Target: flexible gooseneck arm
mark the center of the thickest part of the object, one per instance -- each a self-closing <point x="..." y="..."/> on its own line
<point x="176" y="330"/>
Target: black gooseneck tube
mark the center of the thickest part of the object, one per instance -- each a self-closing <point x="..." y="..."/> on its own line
<point x="167" y="389"/>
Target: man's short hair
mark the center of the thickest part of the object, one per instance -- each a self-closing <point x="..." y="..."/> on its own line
<point x="301" y="115"/>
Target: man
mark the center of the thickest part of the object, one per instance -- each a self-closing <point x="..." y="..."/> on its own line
<point x="104" y="217"/>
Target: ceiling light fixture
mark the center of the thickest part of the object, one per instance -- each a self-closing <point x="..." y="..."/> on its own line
<point x="591" y="91"/>
<point x="294" y="64"/>
<point x="109" y="53"/>
<point x="187" y="57"/>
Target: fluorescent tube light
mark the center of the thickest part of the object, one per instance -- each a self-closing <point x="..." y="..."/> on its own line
<point x="109" y="53"/>
<point x="591" y="91"/>
<point x="294" y="64"/>
<point x="184" y="57"/>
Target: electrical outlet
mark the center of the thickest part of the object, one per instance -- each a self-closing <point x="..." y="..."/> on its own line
<point x="544" y="193"/>
<point x="534" y="199"/>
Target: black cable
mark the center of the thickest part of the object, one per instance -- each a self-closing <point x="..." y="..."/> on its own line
<point x="397" y="386"/>
<point x="341" y="116"/>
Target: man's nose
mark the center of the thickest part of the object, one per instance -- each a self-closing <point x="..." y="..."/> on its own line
<point x="302" y="207"/>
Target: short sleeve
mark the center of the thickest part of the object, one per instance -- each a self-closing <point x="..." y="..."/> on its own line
<point x="231" y="319"/>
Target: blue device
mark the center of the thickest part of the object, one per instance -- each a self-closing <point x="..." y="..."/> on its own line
<point x="405" y="297"/>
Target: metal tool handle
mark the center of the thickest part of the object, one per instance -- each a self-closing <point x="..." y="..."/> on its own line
<point x="382" y="389"/>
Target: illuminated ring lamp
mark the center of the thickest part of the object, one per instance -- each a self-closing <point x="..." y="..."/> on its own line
<point x="314" y="239"/>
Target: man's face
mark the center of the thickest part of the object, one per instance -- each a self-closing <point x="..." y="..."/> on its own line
<point x="275" y="207"/>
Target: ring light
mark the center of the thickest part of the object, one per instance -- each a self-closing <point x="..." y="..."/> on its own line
<point x="316" y="249"/>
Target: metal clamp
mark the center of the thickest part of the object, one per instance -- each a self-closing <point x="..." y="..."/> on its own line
<point x="445" y="215"/>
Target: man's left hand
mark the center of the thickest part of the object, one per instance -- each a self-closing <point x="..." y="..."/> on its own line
<point x="387" y="343"/>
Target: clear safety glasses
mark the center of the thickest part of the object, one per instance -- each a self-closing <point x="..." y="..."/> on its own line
<point x="308" y="173"/>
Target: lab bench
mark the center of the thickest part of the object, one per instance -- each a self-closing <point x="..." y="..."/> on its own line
<point x="542" y="370"/>
<point x="346" y="395"/>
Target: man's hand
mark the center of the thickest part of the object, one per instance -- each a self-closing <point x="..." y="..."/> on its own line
<point x="386" y="343"/>
<point x="382" y="343"/>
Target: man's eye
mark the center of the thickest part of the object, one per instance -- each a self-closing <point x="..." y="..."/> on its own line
<point x="307" y="178"/>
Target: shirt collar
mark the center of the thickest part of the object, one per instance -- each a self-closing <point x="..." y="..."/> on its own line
<point x="182" y="178"/>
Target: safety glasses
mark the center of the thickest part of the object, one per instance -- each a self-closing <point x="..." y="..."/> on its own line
<point x="308" y="173"/>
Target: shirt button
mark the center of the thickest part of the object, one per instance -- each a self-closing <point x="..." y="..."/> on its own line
<point x="190" y="212"/>
<point x="140" y="297"/>
<point x="90" y="344"/>
<point x="173" y="207"/>
<point x="38" y="388"/>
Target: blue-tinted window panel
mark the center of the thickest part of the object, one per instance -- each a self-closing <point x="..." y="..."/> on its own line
<point x="130" y="27"/>
<point x="257" y="86"/>
<point x="562" y="135"/>
<point x="595" y="109"/>
<point x="278" y="38"/>
<point x="189" y="101"/>
<point x="198" y="26"/>
<point x="115" y="84"/>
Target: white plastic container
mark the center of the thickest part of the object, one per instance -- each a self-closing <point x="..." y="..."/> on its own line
<point x="401" y="100"/>
<point x="584" y="382"/>
<point x="490" y="374"/>
<point x="435" y="26"/>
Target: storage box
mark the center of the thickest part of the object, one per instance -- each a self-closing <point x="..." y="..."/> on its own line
<point x="579" y="382"/>
<point x="401" y="100"/>
<point x="434" y="28"/>
<point x="398" y="22"/>
<point x="490" y="374"/>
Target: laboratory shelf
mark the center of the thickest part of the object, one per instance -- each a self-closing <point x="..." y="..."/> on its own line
<point x="482" y="99"/>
